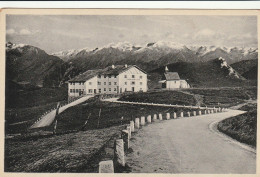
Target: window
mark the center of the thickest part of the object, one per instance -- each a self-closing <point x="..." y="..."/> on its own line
<point x="90" y="83"/>
<point x="77" y="90"/>
<point x="141" y="77"/>
<point x="99" y="90"/>
<point x="109" y="83"/>
<point x="141" y="89"/>
<point x="133" y="76"/>
<point x="73" y="90"/>
<point x="109" y="89"/>
<point x="105" y="89"/>
<point x="114" y="76"/>
<point x="70" y="90"/>
<point x="114" y="83"/>
<point x="73" y="83"/>
<point x="89" y="90"/>
<point x="105" y="83"/>
<point x="125" y="76"/>
<point x="125" y="89"/>
<point x="109" y="76"/>
<point x="105" y="76"/>
<point x="141" y="83"/>
<point x="125" y="83"/>
<point x="115" y="89"/>
<point x="99" y="76"/>
<point x="79" y="83"/>
<point x="133" y="82"/>
<point x="99" y="83"/>
<point x="82" y="83"/>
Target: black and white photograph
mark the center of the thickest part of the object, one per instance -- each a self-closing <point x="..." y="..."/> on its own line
<point x="158" y="92"/>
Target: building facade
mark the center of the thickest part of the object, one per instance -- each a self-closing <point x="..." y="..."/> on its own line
<point x="171" y="80"/>
<point x="111" y="80"/>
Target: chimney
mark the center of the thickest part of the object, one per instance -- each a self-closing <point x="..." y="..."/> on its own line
<point x="113" y="66"/>
<point x="125" y="65"/>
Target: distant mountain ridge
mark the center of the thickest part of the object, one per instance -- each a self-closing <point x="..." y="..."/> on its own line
<point x="156" y="50"/>
<point x="26" y="64"/>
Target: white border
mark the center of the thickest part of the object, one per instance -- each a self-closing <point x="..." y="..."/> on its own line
<point x="134" y="4"/>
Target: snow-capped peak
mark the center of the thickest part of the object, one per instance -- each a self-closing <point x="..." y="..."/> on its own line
<point x="10" y="45"/>
<point x="124" y="46"/>
<point x="168" y="44"/>
<point x="70" y="52"/>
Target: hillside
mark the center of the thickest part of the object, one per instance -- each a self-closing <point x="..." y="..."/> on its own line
<point x="247" y="68"/>
<point x="214" y="73"/>
<point x="30" y="66"/>
<point x="152" y="55"/>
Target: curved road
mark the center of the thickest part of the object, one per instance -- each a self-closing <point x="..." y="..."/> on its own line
<point x="189" y="145"/>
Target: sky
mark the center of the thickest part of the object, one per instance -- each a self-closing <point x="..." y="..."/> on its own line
<point x="54" y="33"/>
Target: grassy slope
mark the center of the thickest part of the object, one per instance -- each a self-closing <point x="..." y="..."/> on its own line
<point x="64" y="153"/>
<point x="225" y="97"/>
<point x="111" y="114"/>
<point x="243" y="127"/>
<point x="209" y="97"/>
<point x="167" y="97"/>
<point x="73" y="152"/>
<point x="29" y="105"/>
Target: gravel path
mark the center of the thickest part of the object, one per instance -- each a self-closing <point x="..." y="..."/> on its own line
<point x="189" y="145"/>
<point x="49" y="118"/>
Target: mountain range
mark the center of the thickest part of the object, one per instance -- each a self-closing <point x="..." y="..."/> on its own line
<point x="26" y="64"/>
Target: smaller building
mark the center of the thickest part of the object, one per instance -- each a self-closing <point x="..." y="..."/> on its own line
<point x="172" y="80"/>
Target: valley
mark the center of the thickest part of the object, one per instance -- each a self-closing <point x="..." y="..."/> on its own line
<point x="37" y="81"/>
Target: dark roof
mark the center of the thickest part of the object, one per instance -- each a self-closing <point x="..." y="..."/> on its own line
<point x="85" y="76"/>
<point x="171" y="76"/>
<point x="106" y="71"/>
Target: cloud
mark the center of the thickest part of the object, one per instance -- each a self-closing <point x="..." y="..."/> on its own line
<point x="205" y="33"/>
<point x="25" y="32"/>
<point x="246" y="36"/>
<point x="21" y="32"/>
<point x="10" y="31"/>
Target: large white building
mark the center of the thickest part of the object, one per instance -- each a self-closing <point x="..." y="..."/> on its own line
<point x="111" y="80"/>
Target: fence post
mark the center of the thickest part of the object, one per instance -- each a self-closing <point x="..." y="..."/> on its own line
<point x="181" y="114"/>
<point x="137" y="123"/>
<point x="194" y="113"/>
<point x="168" y="116"/>
<point x="132" y="125"/>
<point x="174" y="115"/>
<point x="160" y="116"/>
<point x="142" y="120"/>
<point x="149" y="119"/>
<point x="199" y="112"/>
<point x="188" y="114"/>
<point x="106" y="166"/>
<point x="128" y="127"/>
<point x="119" y="152"/>
<point x="154" y="116"/>
<point x="125" y="137"/>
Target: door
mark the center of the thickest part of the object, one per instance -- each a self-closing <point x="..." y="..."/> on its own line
<point x="95" y="91"/>
<point x="133" y="89"/>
